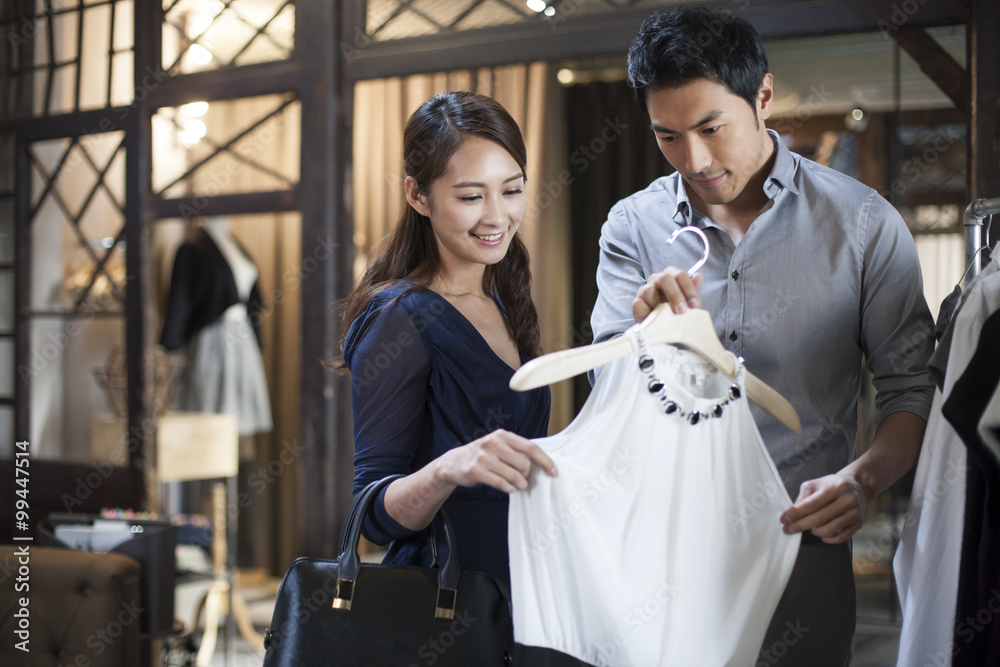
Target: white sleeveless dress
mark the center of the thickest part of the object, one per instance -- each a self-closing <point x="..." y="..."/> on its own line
<point x="659" y="543"/>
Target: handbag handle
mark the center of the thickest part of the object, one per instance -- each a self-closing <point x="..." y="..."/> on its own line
<point x="345" y="535"/>
<point x="349" y="564"/>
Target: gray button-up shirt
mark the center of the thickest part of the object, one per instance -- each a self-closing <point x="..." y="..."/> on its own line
<point x="826" y="275"/>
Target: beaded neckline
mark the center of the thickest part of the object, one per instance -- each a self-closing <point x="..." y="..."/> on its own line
<point x="671" y="407"/>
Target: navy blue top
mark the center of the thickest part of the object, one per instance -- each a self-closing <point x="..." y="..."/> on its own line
<point x="424" y="381"/>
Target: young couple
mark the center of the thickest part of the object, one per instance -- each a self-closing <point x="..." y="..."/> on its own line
<point x="451" y="285"/>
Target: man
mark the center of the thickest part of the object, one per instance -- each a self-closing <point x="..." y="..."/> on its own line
<point x="809" y="272"/>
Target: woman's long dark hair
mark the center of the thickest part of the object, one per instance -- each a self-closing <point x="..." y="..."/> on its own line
<point x="409" y="252"/>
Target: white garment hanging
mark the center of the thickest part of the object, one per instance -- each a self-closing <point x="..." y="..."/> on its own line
<point x="929" y="554"/>
<point x="659" y="542"/>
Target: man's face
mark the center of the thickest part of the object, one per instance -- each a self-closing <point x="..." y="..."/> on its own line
<point x="711" y="136"/>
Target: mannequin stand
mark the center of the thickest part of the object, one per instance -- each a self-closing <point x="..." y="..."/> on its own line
<point x="195" y="446"/>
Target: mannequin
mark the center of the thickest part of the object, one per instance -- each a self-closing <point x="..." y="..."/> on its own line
<point x="210" y="314"/>
<point x="211" y="319"/>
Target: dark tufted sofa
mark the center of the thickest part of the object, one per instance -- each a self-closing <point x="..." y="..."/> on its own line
<point x="84" y="608"/>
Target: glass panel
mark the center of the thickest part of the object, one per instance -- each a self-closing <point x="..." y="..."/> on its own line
<point x="208" y="34"/>
<point x="7" y="361"/>
<point x="6" y="302"/>
<point x="64" y="36"/>
<point x="65" y="391"/>
<point x="54" y="35"/>
<point x="122" y="86"/>
<point x="6" y="229"/>
<point x="94" y="87"/>
<point x="265" y="157"/>
<point x="77" y="231"/>
<point x="6" y="432"/>
<point x="394" y="19"/>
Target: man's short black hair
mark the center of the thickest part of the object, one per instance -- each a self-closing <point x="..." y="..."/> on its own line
<point x="677" y="47"/>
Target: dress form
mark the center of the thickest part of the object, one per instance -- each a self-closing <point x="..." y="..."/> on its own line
<point x="244" y="270"/>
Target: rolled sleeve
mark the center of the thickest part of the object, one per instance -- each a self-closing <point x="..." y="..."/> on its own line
<point x="619" y="277"/>
<point x="897" y="330"/>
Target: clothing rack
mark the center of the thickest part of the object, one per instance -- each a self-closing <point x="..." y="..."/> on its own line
<point x="975" y="213"/>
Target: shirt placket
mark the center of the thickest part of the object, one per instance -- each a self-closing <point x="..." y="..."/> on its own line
<point x="736" y="300"/>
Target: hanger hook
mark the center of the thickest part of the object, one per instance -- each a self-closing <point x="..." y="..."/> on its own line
<point x="704" y="239"/>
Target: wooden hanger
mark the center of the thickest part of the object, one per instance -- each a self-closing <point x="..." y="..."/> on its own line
<point x="693" y="329"/>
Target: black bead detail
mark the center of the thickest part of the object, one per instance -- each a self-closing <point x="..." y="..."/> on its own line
<point x="717" y="412"/>
<point x="655" y="386"/>
<point x="736" y="275"/>
<point x="733" y="336"/>
<point x="734" y="392"/>
<point x="670" y="407"/>
<point x="645" y="362"/>
<point x="694" y="418"/>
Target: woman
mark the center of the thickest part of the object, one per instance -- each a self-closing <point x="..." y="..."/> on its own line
<point x="438" y="324"/>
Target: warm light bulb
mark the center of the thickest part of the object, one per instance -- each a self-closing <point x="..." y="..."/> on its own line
<point x="196" y="128"/>
<point x="199" y="54"/>
<point x="536" y="5"/>
<point x="195" y="109"/>
<point x="565" y="76"/>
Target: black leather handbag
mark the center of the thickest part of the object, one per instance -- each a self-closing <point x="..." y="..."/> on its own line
<point x="344" y="612"/>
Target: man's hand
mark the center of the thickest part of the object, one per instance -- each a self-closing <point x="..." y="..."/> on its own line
<point x="671" y="285"/>
<point x="832" y="507"/>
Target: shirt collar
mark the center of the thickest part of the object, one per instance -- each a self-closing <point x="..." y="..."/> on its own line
<point x="783" y="171"/>
<point x="782" y="176"/>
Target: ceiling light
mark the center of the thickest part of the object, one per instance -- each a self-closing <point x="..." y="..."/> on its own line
<point x="195" y="128"/>
<point x="856" y="120"/>
<point x="195" y="109"/>
<point x="199" y="54"/>
<point x="536" y="5"/>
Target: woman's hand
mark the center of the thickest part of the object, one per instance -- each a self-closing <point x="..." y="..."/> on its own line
<point x="501" y="460"/>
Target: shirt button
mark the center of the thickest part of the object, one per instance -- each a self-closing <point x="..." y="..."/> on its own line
<point x="733" y="336"/>
<point x="736" y="275"/>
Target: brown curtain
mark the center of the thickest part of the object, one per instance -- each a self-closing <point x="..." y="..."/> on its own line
<point x="612" y="155"/>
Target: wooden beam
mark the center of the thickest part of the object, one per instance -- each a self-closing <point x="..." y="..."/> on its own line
<point x="225" y="84"/>
<point x="22" y="290"/>
<point x="242" y="203"/>
<point x="936" y="63"/>
<point x="327" y="444"/>
<point x="566" y="35"/>
<point x="138" y="271"/>
<point x="73" y="124"/>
